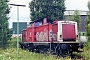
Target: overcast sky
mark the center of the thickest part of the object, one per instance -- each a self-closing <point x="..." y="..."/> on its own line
<point x="24" y="12"/>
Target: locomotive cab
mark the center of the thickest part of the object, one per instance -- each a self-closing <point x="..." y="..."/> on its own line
<point x="67" y="32"/>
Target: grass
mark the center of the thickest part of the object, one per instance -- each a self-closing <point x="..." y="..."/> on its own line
<point x="86" y="53"/>
<point x="10" y="53"/>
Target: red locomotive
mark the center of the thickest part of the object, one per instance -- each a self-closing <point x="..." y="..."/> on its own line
<point x="60" y="36"/>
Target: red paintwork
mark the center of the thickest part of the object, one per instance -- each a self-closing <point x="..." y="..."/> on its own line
<point x="42" y="33"/>
<point x="68" y="31"/>
<point x="50" y="33"/>
<point x="24" y="36"/>
<point x="29" y="35"/>
<point x="55" y="30"/>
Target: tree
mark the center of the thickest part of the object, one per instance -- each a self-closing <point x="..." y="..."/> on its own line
<point x="76" y="18"/>
<point x="50" y="9"/>
<point x="69" y="17"/>
<point x="87" y="21"/>
<point x="87" y="26"/>
<point x="4" y="10"/>
<point x="88" y="13"/>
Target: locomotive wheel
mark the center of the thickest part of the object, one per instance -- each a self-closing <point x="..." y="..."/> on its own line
<point x="45" y="50"/>
<point x="29" y="49"/>
<point x="70" y="52"/>
<point x="41" y="49"/>
<point x="23" y="47"/>
<point x="20" y="46"/>
<point x="36" y="50"/>
<point x="59" y="52"/>
<point x="32" y="49"/>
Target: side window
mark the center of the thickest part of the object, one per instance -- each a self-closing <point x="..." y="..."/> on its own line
<point x="38" y="23"/>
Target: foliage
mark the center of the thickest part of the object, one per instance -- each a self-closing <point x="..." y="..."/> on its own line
<point x="76" y="18"/>
<point x="86" y="53"/>
<point x="87" y="26"/>
<point x="87" y="21"/>
<point x="69" y="17"/>
<point x="4" y="10"/>
<point x="50" y="9"/>
<point x="88" y="4"/>
<point x="7" y="0"/>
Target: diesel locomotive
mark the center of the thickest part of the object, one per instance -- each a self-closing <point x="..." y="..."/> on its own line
<point x="59" y="37"/>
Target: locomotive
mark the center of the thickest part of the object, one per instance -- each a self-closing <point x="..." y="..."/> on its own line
<point x="59" y="37"/>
